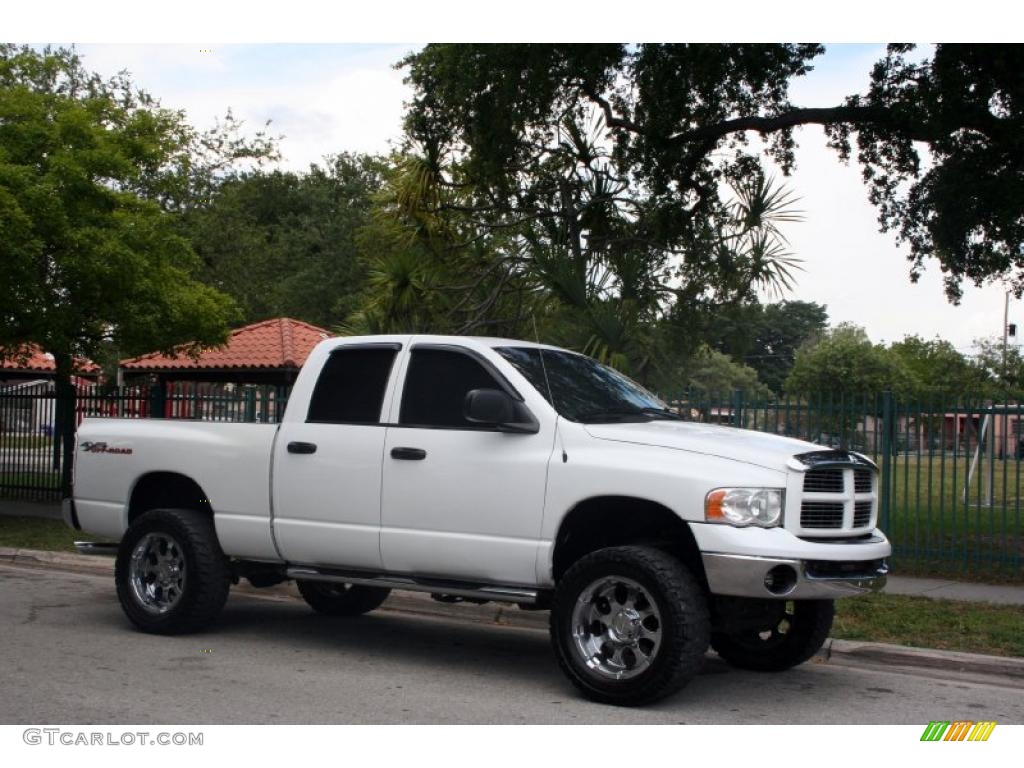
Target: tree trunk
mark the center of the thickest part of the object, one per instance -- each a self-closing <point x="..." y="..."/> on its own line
<point x="65" y="417"/>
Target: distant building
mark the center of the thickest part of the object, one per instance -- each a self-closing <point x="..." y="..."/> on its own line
<point x="31" y="363"/>
<point x="252" y="370"/>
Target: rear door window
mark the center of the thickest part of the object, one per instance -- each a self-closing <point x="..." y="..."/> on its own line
<point x="351" y="386"/>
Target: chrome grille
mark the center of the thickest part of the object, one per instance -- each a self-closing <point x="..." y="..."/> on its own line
<point x="824" y="480"/>
<point x="862" y="480"/>
<point x="821" y="514"/>
<point x="839" y="495"/>
<point x="862" y="513"/>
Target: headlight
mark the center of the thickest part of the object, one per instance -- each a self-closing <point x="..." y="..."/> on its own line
<point x="744" y="506"/>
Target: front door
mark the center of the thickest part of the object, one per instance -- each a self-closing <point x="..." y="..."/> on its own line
<point x="327" y="467"/>
<point x="459" y="501"/>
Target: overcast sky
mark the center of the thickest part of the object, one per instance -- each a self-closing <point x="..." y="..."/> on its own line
<point x="333" y="98"/>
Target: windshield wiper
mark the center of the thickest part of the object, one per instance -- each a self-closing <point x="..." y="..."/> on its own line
<point x="662" y="413"/>
<point x="629" y="414"/>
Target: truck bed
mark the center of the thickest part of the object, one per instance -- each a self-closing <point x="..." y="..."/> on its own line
<point x="230" y="461"/>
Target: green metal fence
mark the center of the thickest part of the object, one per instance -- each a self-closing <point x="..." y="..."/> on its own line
<point x="30" y="447"/>
<point x="29" y="450"/>
<point x="950" y="489"/>
<point x="950" y="470"/>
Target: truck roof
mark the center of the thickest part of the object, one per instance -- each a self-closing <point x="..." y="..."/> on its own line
<point x="496" y="341"/>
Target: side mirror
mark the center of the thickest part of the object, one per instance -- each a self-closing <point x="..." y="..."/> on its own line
<point x="490" y="407"/>
<point x="495" y="408"/>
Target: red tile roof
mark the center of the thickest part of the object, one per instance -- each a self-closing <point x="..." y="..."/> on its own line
<point x="32" y="358"/>
<point x="271" y="344"/>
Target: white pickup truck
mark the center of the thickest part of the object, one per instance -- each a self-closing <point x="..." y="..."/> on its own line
<point x="489" y="469"/>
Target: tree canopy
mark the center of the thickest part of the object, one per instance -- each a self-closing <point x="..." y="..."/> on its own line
<point x="765" y="337"/>
<point x="714" y="373"/>
<point x="845" y="363"/>
<point x="524" y="122"/>
<point x="88" y="251"/>
<point x="625" y="201"/>
<point x="285" y="244"/>
<point x="939" y="371"/>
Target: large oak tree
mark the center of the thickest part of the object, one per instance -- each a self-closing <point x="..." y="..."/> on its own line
<point x="91" y="255"/>
<point x="940" y="139"/>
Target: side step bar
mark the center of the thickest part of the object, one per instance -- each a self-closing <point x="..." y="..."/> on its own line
<point x="108" y="549"/>
<point x="459" y="588"/>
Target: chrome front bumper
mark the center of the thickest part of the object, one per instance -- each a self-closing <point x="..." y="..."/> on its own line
<point x="786" y="579"/>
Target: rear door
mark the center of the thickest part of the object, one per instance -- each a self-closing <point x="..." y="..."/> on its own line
<point x="459" y="500"/>
<point x="327" y="465"/>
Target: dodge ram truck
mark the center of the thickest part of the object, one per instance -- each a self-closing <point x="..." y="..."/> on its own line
<point x="489" y="469"/>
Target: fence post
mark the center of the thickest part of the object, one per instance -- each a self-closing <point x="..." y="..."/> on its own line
<point x="737" y="406"/>
<point x="888" y="429"/>
<point x="157" y="400"/>
<point x="67" y="396"/>
<point x="250" y="405"/>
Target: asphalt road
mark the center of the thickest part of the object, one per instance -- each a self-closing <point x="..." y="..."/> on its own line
<point x="68" y="655"/>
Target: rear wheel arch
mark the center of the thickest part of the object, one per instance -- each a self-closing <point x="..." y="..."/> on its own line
<point x="166" y="490"/>
<point x="611" y="521"/>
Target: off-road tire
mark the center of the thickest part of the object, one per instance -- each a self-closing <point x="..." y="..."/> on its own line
<point x="341" y="599"/>
<point x="681" y="609"/>
<point x="207" y="577"/>
<point x="809" y="623"/>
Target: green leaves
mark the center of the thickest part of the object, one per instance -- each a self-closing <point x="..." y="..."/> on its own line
<point x="962" y="201"/>
<point x="286" y="244"/>
<point x="844" y="362"/>
<point x="567" y="156"/>
<point x="86" y="262"/>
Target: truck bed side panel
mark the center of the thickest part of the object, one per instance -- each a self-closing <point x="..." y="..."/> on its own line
<point x="229" y="462"/>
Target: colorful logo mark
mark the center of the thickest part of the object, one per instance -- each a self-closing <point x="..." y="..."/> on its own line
<point x="958" y="730"/>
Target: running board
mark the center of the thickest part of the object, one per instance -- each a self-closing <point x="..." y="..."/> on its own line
<point x="436" y="586"/>
<point x="107" y="549"/>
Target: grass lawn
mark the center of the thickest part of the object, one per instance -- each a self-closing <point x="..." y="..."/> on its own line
<point x="950" y="625"/>
<point x="37" y="533"/>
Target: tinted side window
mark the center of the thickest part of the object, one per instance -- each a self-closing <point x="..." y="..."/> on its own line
<point x="351" y="386"/>
<point x="436" y="385"/>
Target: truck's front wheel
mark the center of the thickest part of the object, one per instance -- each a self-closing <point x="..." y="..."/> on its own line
<point x="171" y="574"/>
<point x="341" y="599"/>
<point x="794" y="635"/>
<point x="629" y="625"/>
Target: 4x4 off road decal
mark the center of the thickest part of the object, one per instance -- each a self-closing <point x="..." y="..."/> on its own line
<point x="91" y="447"/>
<point x="958" y="730"/>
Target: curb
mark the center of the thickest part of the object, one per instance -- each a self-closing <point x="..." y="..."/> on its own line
<point x="842" y="652"/>
<point x="859" y="653"/>
<point x="62" y="561"/>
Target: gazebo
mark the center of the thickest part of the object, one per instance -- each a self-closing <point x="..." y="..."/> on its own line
<point x="244" y="379"/>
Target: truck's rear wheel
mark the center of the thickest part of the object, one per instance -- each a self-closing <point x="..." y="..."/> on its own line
<point x="629" y="625"/>
<point x="341" y="599"/>
<point x="795" y="635"/>
<point x="171" y="574"/>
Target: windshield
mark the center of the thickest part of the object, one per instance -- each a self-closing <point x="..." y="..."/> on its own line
<point x="581" y="389"/>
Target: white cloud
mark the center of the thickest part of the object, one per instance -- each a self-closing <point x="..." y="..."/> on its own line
<point x="323" y="99"/>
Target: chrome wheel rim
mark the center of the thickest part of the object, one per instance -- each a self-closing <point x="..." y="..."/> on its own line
<point x="157" y="572"/>
<point x="616" y="628"/>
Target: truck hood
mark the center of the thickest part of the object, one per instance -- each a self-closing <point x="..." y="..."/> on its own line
<point x="760" y="448"/>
